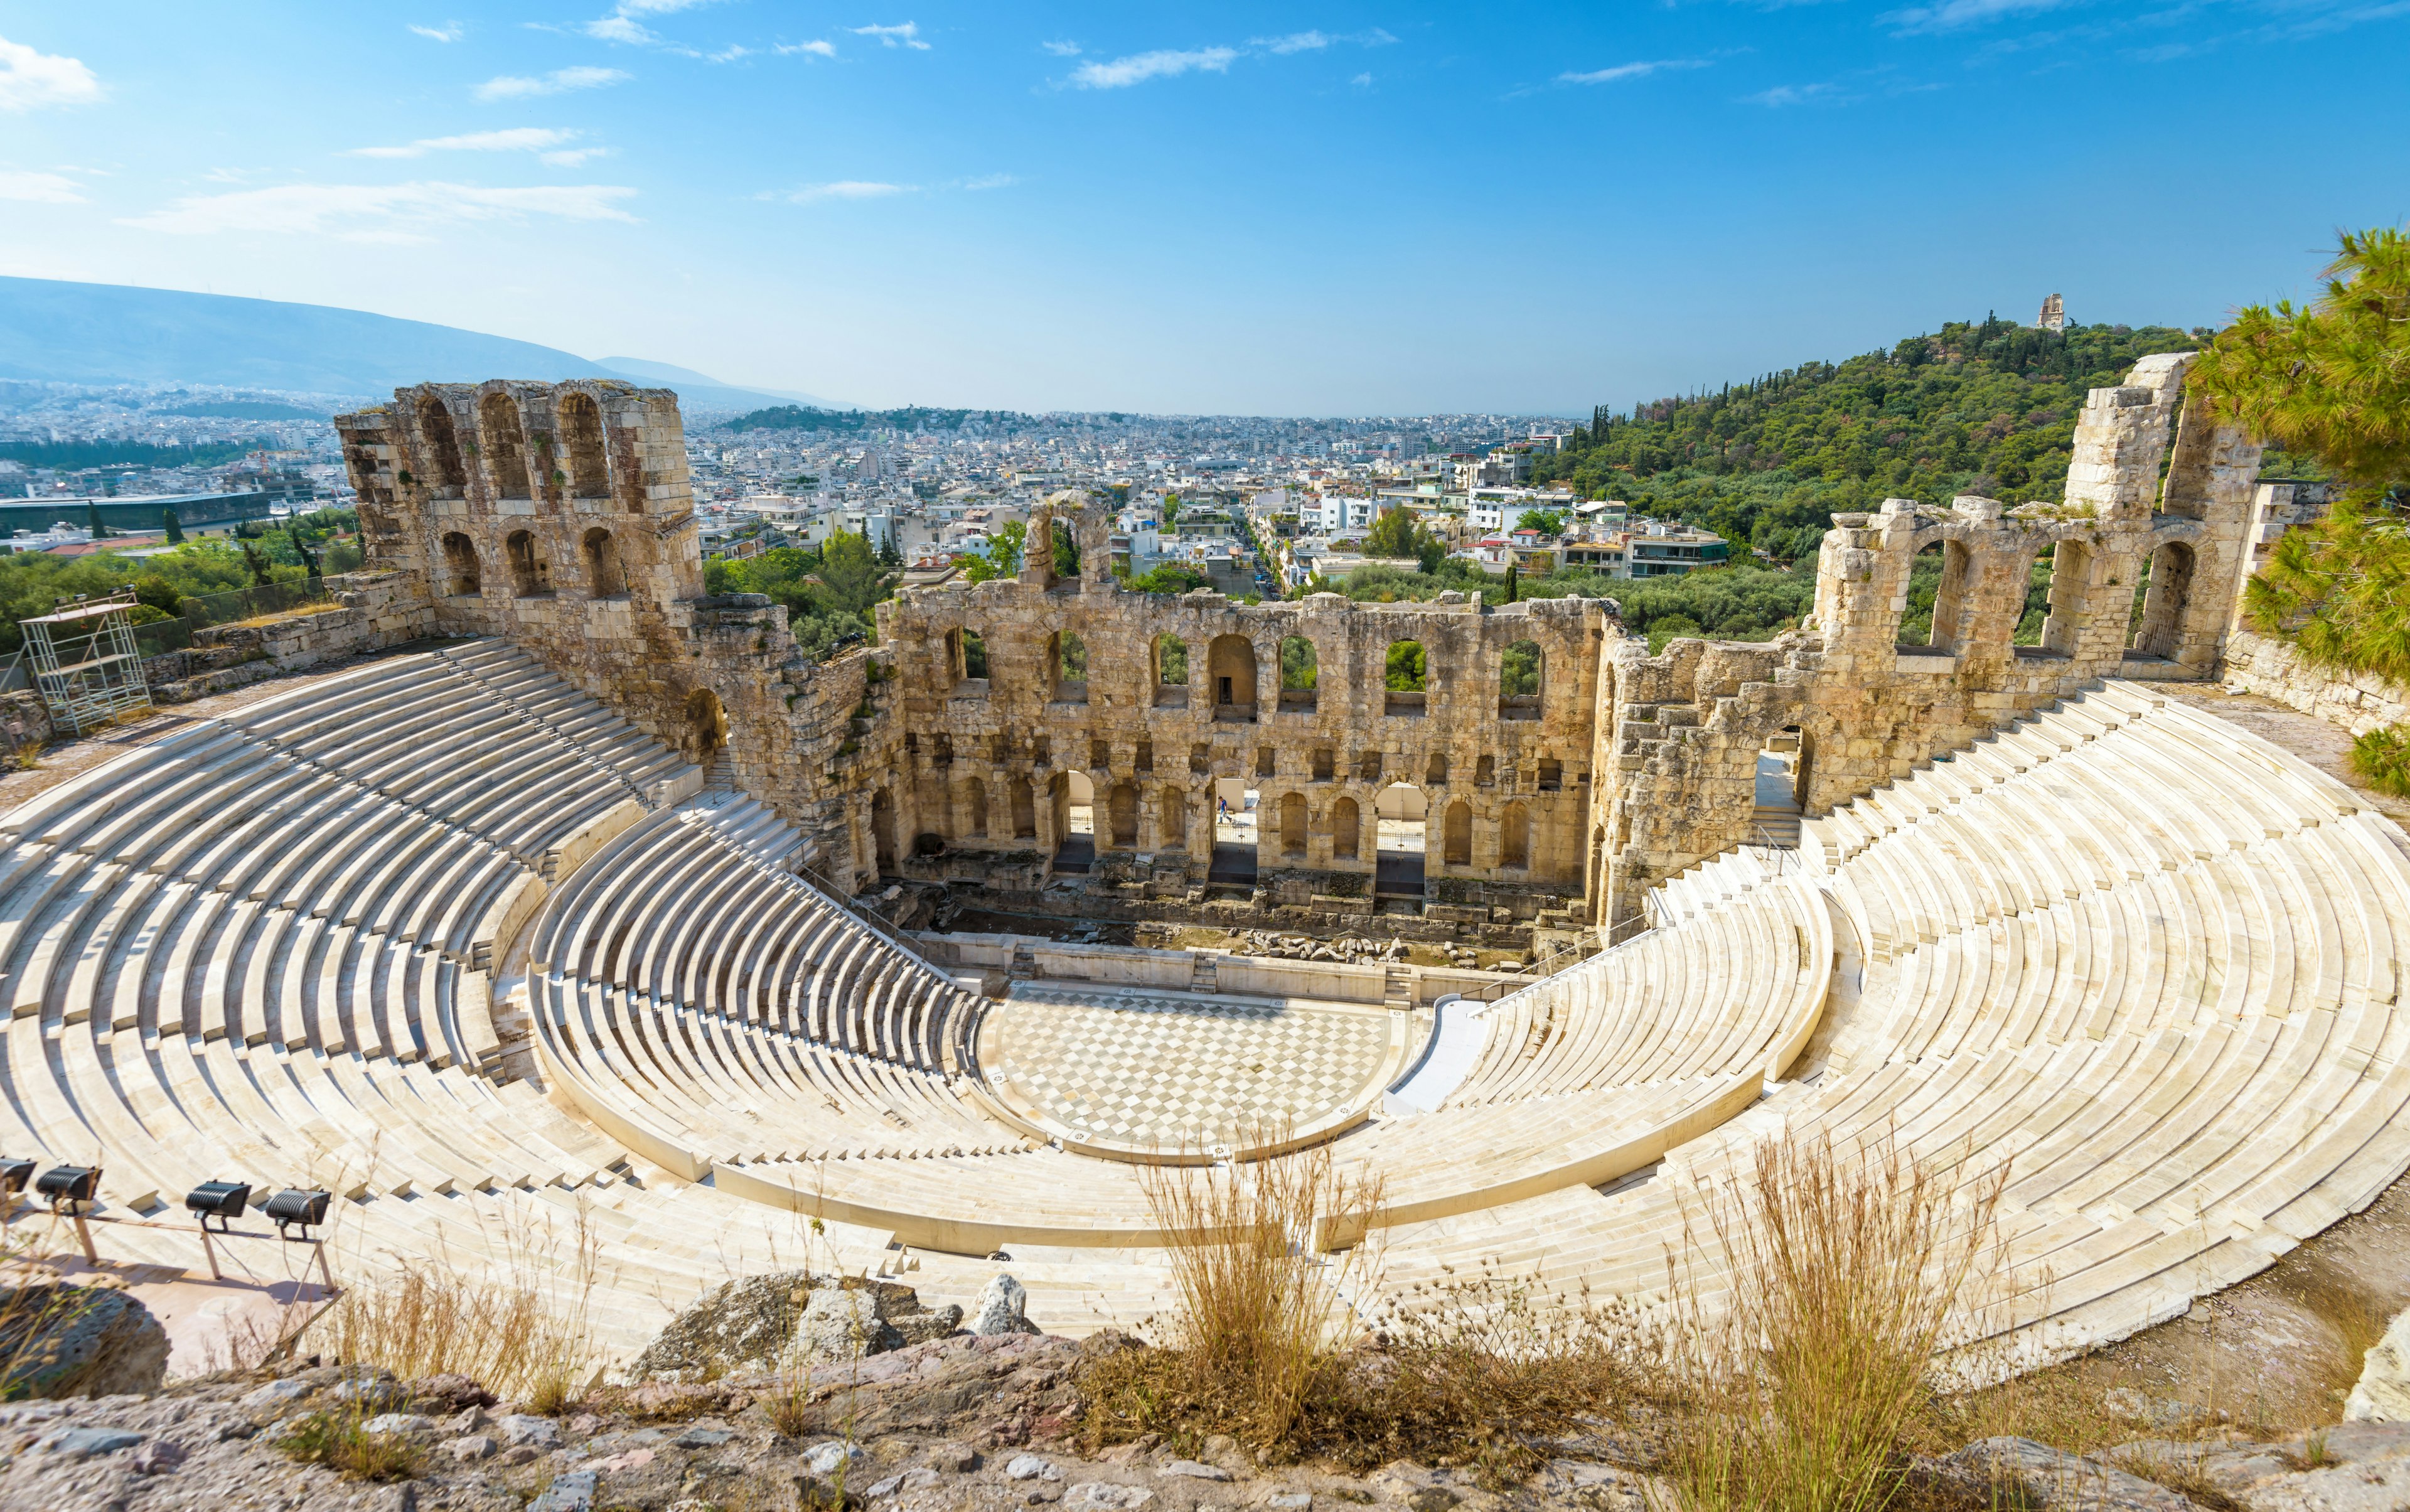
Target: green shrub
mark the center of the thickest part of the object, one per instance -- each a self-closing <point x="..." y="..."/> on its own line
<point x="2382" y="759"/>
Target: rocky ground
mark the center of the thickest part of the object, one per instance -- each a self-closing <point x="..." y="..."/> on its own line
<point x="785" y="1392"/>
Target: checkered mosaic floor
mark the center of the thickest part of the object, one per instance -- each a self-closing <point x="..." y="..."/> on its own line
<point x="1185" y="1073"/>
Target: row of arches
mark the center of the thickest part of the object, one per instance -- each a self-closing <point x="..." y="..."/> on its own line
<point x="530" y="567"/>
<point x="1158" y="817"/>
<point x="564" y="448"/>
<point x="1230" y="674"/>
<point x="1937" y="616"/>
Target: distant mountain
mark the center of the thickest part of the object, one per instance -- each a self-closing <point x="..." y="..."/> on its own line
<point x="53" y="331"/>
<point x="702" y="388"/>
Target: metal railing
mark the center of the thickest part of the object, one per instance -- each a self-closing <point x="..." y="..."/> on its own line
<point x="821" y="883"/>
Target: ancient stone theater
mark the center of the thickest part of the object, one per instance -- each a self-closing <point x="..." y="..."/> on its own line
<point x="540" y="892"/>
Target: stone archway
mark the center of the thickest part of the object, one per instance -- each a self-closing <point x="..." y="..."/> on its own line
<point x="707" y="725"/>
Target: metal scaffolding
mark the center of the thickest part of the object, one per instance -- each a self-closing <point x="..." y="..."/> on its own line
<point x="86" y="662"/>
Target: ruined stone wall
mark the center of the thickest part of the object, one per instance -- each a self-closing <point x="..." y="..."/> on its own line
<point x="983" y="765"/>
<point x="1680" y="732"/>
<point x="559" y="516"/>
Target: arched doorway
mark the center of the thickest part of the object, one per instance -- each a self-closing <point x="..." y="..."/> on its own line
<point x="1122" y="809"/>
<point x="1294" y="827"/>
<point x="1402" y="817"/>
<point x="2160" y="600"/>
<point x="1075" y="822"/>
<point x="1455" y="834"/>
<point x="707" y="725"/>
<point x="1230" y="663"/>
<point x="1233" y="860"/>
<point x="882" y="832"/>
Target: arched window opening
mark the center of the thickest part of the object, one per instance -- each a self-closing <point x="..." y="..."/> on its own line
<point x="967" y="651"/>
<point x="1170" y="819"/>
<point x="1123" y="807"/>
<point x="1435" y="770"/>
<point x="1299" y="672"/>
<point x="1367" y="766"/>
<point x="443" y="460"/>
<point x="581" y="442"/>
<point x="882" y="831"/>
<point x="2070" y="589"/>
<point x="2036" y="608"/>
<point x="1405" y="676"/>
<point x="1144" y="760"/>
<point x="1322" y="764"/>
<point x="2160" y="600"/>
<point x="607" y="578"/>
<point x="1457" y="838"/>
<point x="1025" y="810"/>
<point x="1346" y="827"/>
<point x="1067" y="663"/>
<point x="1067" y="551"/>
<point x="1938" y="583"/>
<point x="1293" y="826"/>
<point x="530" y="575"/>
<point x="970" y="808"/>
<point x="1485" y="772"/>
<point x="1515" y="837"/>
<point x="1401" y="829"/>
<point x="498" y="416"/>
<point x="707" y="724"/>
<point x="1230" y="663"/>
<point x="460" y="565"/>
<point x="1518" y="681"/>
<point x="1170" y="672"/>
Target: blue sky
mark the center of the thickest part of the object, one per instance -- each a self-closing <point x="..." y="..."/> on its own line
<point x="1294" y="208"/>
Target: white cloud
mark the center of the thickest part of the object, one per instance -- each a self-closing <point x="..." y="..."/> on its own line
<point x="1163" y="64"/>
<point x="1782" y="95"/>
<point x="1362" y="80"/>
<point x="907" y="35"/>
<point x="619" y="29"/>
<point x="990" y="181"/>
<point x="379" y="212"/>
<point x="40" y="188"/>
<point x="449" y="32"/>
<point x="1630" y="70"/>
<point x="516" y="139"/>
<point x="1950" y="15"/>
<point x="572" y="156"/>
<point x="1293" y="43"/>
<point x="842" y="189"/>
<point x="520" y="86"/>
<point x="1062" y="49"/>
<point x="817" y="50"/>
<point x="729" y="53"/>
<point x="30" y="80"/>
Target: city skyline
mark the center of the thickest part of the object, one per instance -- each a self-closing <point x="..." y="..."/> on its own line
<point x="1358" y="210"/>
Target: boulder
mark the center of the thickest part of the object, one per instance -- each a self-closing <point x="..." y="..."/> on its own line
<point x="2382" y="1393"/>
<point x="2053" y="1480"/>
<point x="758" y="1325"/>
<point x="61" y="1341"/>
<point x="1002" y="1308"/>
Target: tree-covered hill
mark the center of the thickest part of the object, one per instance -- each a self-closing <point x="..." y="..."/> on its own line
<point x="1985" y="407"/>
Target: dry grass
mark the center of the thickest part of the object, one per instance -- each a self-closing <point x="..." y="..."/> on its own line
<point x="1848" y="1273"/>
<point x="524" y="1336"/>
<point x="1267" y="1346"/>
<point x="338" y="1441"/>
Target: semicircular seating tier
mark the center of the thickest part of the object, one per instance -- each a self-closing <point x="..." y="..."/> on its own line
<point x="2128" y="959"/>
<point x="261" y="948"/>
<point x="2138" y="960"/>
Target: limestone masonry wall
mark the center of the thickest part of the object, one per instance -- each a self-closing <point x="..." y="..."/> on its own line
<point x="559" y="516"/>
<point x="1680" y="732"/>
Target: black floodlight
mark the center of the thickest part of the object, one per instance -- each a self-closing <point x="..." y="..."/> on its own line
<point x="221" y="1200"/>
<point x="64" y="1184"/>
<point x="15" y="1175"/>
<point x="296" y="1209"/>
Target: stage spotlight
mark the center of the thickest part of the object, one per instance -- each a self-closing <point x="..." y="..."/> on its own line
<point x="223" y="1200"/>
<point x="14" y="1174"/>
<point x="64" y="1184"/>
<point x="297" y="1209"/>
